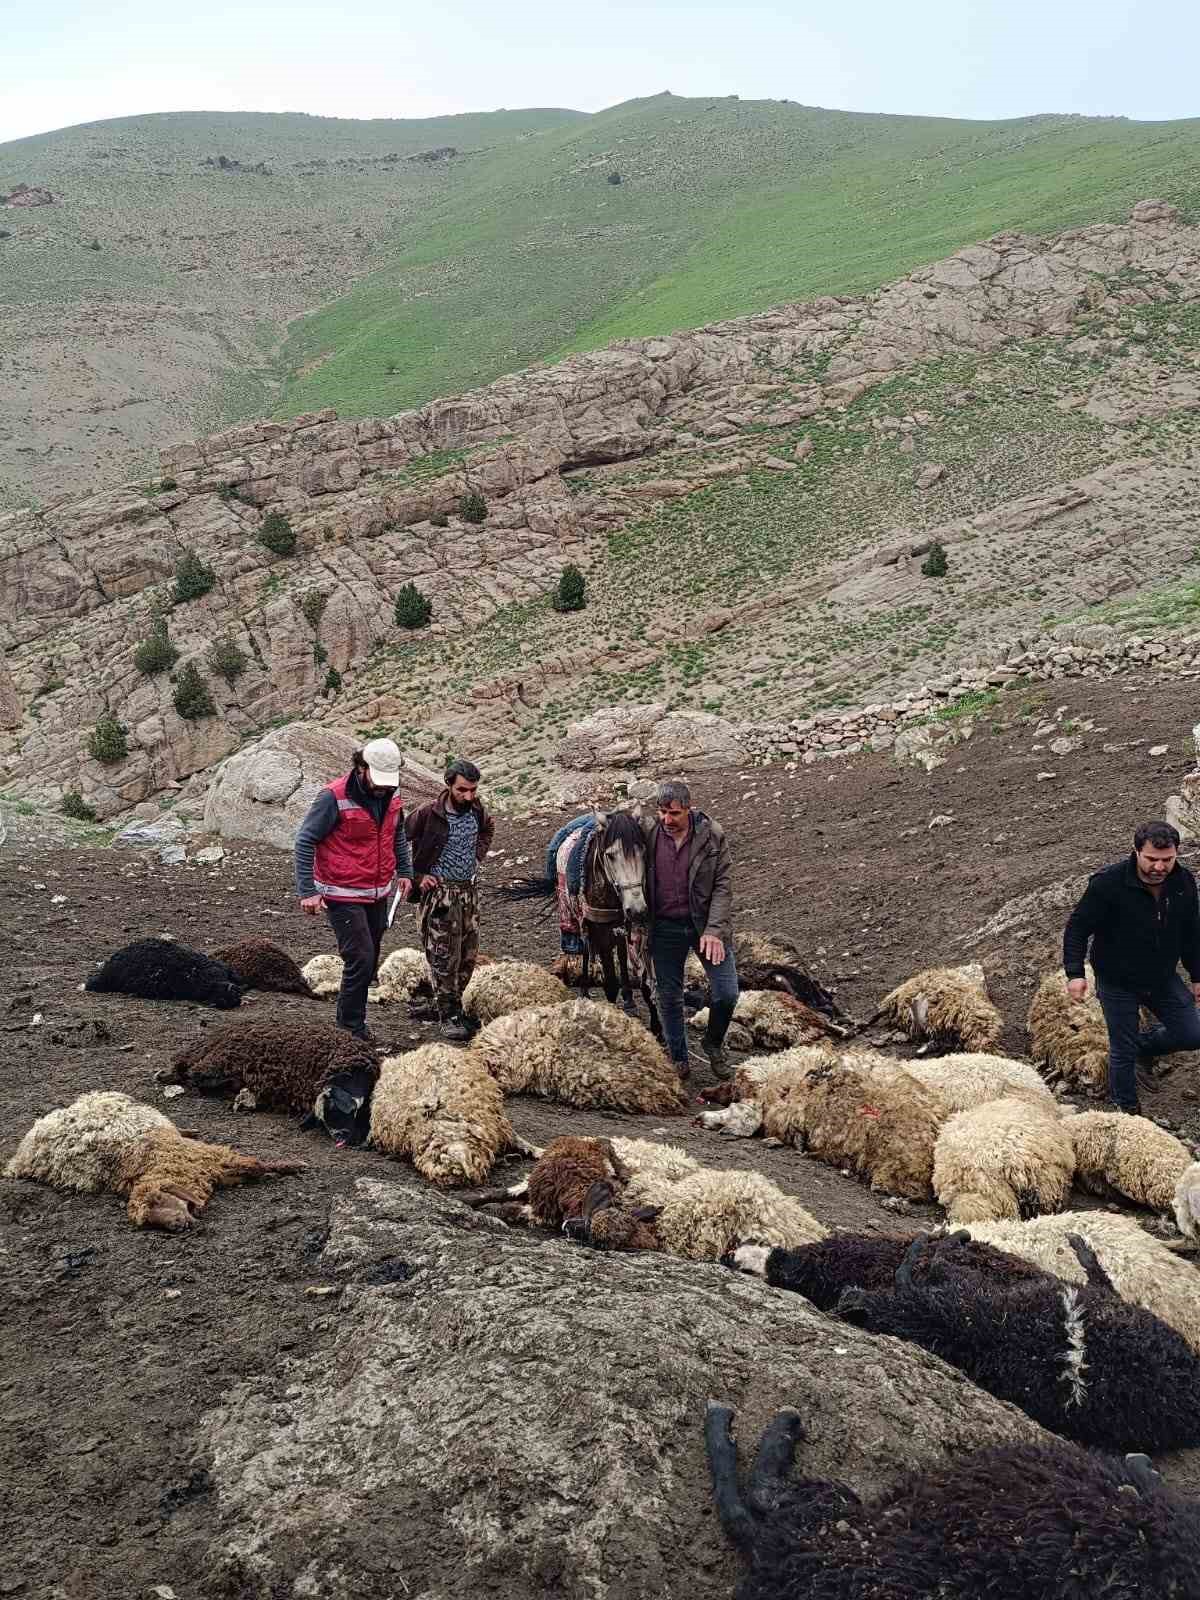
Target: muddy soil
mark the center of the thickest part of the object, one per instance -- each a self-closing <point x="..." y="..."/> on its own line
<point x="113" y="1342"/>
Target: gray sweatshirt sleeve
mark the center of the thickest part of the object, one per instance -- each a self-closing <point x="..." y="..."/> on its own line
<point x="403" y="850"/>
<point x="321" y="819"/>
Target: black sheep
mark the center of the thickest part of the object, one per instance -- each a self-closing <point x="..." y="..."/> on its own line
<point x="1080" y="1360"/>
<point x="822" y="1271"/>
<point x="1016" y="1522"/>
<point x="160" y="969"/>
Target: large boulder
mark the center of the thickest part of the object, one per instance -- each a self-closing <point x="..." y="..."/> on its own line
<point x="262" y="792"/>
<point x="501" y="1416"/>
<point x="649" y="737"/>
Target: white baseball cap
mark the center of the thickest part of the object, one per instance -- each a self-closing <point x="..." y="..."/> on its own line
<point x="384" y="761"/>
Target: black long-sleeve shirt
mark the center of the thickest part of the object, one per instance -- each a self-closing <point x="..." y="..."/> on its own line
<point x="1138" y="938"/>
<point x="321" y="819"/>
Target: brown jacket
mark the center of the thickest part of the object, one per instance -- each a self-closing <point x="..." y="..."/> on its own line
<point x="710" y="876"/>
<point x="428" y="831"/>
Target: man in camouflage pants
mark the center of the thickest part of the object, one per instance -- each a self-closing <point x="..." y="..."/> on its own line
<point x="450" y="836"/>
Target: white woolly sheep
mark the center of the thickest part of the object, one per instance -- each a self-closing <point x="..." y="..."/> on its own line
<point x="1002" y="1161"/>
<point x="971" y="1079"/>
<point x="946" y="1006"/>
<point x="438" y="1107"/>
<point x="323" y="974"/>
<point x="403" y="975"/>
<point x="1128" y="1157"/>
<point x="703" y="1216"/>
<point x="506" y="986"/>
<point x="1142" y="1269"/>
<point x="1187" y="1202"/>
<point x="583" y="1053"/>
<point x="1068" y="1036"/>
<point x="105" y="1141"/>
<point x="765" y="1019"/>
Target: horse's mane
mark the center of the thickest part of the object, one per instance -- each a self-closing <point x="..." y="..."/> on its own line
<point x="623" y="828"/>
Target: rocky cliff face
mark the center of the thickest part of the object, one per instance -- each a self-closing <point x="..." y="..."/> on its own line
<point x="569" y="458"/>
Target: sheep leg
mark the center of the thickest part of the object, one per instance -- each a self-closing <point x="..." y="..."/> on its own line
<point x="522" y="1147"/>
<point x="722" y="1466"/>
<point x="494" y="1197"/>
<point x="773" y="1461"/>
<point x="510" y="1212"/>
<point x="904" y="1272"/>
<point x="1097" y="1277"/>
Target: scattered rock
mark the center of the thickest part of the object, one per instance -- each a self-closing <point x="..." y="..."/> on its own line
<point x="932" y="472"/>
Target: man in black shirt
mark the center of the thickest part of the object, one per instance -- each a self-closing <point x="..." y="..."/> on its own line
<point x="1143" y="918"/>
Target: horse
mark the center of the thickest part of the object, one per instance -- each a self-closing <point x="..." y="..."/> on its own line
<point x="609" y="912"/>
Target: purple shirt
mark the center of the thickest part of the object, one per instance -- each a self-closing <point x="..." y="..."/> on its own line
<point x="671" y="864"/>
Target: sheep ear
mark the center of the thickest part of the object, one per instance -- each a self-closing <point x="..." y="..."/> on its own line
<point x="647" y="1213"/>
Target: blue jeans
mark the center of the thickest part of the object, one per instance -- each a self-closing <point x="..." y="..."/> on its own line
<point x="670" y="942"/>
<point x="1178" y="1029"/>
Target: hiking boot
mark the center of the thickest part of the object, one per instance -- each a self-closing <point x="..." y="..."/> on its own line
<point x="683" y="1068"/>
<point x="1135" y="1110"/>
<point x="456" y="1028"/>
<point x="718" y="1059"/>
<point x="360" y="1032"/>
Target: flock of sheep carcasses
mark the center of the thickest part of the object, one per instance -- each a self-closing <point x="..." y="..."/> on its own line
<point x="1082" y="1319"/>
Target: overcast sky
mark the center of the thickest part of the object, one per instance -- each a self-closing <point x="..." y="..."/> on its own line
<point x="70" y="61"/>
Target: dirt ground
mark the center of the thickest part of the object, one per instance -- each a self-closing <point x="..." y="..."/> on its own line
<point x="114" y="1342"/>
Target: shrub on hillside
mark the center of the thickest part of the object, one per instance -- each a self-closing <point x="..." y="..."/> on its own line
<point x="192" y="698"/>
<point x="277" y="534"/>
<point x="472" y="507"/>
<point x="935" y="564"/>
<point x="614" y="177"/>
<point x="157" y="653"/>
<point x="333" y="681"/>
<point x="193" y="578"/>
<point x="74" y="805"/>
<point x="413" y="609"/>
<point x="571" y="594"/>
<point x="109" y="740"/>
<point x="227" y="660"/>
<point x="313" y="608"/>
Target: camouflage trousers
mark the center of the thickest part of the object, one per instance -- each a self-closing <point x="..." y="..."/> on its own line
<point x="450" y="934"/>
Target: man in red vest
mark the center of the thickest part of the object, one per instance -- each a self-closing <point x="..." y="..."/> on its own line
<point x="351" y="852"/>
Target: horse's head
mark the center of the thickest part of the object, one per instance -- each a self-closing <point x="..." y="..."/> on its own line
<point x="622" y="848"/>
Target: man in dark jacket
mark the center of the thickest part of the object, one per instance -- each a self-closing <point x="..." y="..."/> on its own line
<point x="1143" y="918"/>
<point x="450" y="836"/>
<point x="689" y="893"/>
<point x="349" y="850"/>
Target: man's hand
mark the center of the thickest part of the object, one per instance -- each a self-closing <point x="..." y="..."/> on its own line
<point x="404" y="886"/>
<point x="312" y="904"/>
<point x="712" y="949"/>
<point x="1077" y="988"/>
<point x="428" y="882"/>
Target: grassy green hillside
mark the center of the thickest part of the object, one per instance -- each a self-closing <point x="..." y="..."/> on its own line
<point x="724" y="207"/>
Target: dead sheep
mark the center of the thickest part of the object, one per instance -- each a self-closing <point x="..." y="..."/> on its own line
<point x="1002" y="1161"/>
<point x="323" y="974"/>
<point x="1079" y="1360"/>
<point x="305" y="1068"/>
<point x="160" y="969"/>
<point x="1142" y="1269"/>
<point x="106" y="1142"/>
<point x="584" y="1053"/>
<point x="701" y="1217"/>
<point x="259" y="964"/>
<point x="822" y="1272"/>
<point x="1039" y="1521"/>
<point x="766" y="1020"/>
<point x="1127" y="1158"/>
<point x="971" y="1079"/>
<point x="769" y="961"/>
<point x="946" y="1007"/>
<point x="438" y="1107"/>
<point x="858" y="1109"/>
<point x="506" y="986"/>
<point x="403" y="976"/>
<point x="1068" y="1036"/>
<point x="1187" y="1202"/>
<point x="557" y="1185"/>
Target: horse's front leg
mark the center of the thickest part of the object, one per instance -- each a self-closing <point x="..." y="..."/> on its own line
<point x="585" y="973"/>
<point x="627" y="1000"/>
<point x="610" y="968"/>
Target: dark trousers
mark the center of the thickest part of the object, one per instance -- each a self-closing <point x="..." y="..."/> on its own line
<point x="358" y="928"/>
<point x="1178" y="1029"/>
<point x="670" y="942"/>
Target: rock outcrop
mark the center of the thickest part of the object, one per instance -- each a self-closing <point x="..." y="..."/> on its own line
<point x="514" y="1417"/>
<point x="262" y="792"/>
<point x="616" y="743"/>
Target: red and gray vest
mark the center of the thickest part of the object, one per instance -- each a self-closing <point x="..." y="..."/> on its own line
<point x="356" y="860"/>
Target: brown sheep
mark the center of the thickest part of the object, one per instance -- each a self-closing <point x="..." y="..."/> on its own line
<point x="106" y="1141"/>
<point x="557" y="1185"/>
<point x="259" y="964"/>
